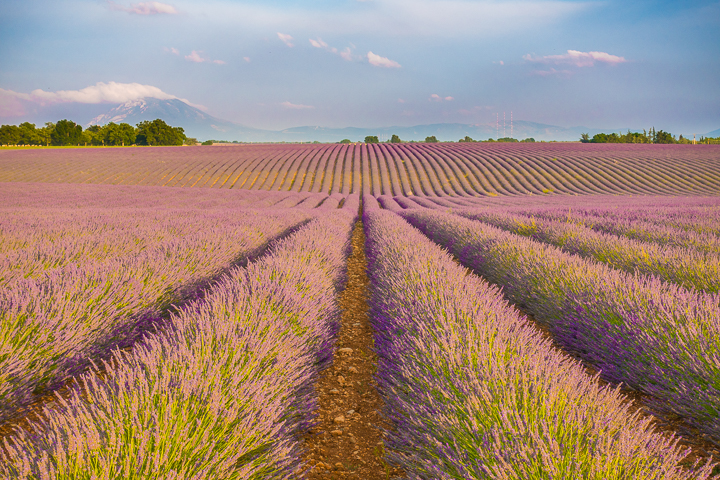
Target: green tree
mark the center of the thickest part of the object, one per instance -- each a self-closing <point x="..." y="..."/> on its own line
<point x="345" y="140"/>
<point x="118" y="134"/>
<point x="395" y="139"/>
<point x="10" y="135"/>
<point x="192" y="141"/>
<point x="158" y="132"/>
<point x="66" y="132"/>
<point x="29" y="134"/>
<point x="585" y="137"/>
<point x="466" y="139"/>
<point x="207" y="142"/>
<point x="372" y="139"/>
<point x="528" y="140"/>
<point x="93" y="135"/>
<point x="431" y="139"/>
<point x="664" y="137"/>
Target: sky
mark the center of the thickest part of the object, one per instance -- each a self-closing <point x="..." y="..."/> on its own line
<point x="276" y="64"/>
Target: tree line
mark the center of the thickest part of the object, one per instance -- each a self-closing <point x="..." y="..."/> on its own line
<point x="433" y="139"/>
<point x="68" y="133"/>
<point x="651" y="136"/>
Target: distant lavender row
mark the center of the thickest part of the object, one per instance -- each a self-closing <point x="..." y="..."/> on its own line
<point x="51" y="326"/>
<point x="223" y="394"/>
<point x="645" y="227"/>
<point x="656" y="337"/>
<point x="474" y="392"/>
<point x="684" y="266"/>
<point x="702" y="220"/>
<point x="451" y="170"/>
<point x="48" y="240"/>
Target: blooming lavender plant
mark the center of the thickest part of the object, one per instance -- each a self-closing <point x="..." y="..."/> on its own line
<point x="684" y="266"/>
<point x="53" y="324"/>
<point x="656" y="337"/>
<point x="222" y="394"/>
<point x="473" y="391"/>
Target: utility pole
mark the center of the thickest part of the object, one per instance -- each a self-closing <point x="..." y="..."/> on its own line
<point x="504" y="134"/>
<point x="511" y="125"/>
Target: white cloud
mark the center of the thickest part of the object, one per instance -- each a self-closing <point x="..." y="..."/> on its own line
<point x="172" y="50"/>
<point x="347" y="54"/>
<point x="197" y="58"/>
<point x="294" y="106"/>
<point x="579" y="59"/>
<point x="500" y="62"/>
<point x="379" y="61"/>
<point x="437" y="98"/>
<point x="551" y="72"/>
<point x="449" y="99"/>
<point x="318" y="43"/>
<point x="145" y="8"/>
<point x="10" y="104"/>
<point x="247" y="59"/>
<point x="111" y="92"/>
<point x="287" y="39"/>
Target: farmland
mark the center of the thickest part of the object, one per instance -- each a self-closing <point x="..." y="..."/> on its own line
<point x="455" y="311"/>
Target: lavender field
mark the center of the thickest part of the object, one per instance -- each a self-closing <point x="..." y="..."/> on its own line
<point x="545" y="311"/>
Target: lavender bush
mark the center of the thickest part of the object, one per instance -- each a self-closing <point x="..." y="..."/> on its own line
<point x="222" y="394"/>
<point x="473" y="391"/>
<point x="50" y="326"/>
<point x="656" y="337"/>
<point x="684" y="266"/>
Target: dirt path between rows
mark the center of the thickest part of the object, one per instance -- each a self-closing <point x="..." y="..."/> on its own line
<point x="347" y="440"/>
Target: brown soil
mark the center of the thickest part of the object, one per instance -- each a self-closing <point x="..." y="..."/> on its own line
<point x="347" y="441"/>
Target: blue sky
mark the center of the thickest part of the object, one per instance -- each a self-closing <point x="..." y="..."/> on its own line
<point x="277" y="64"/>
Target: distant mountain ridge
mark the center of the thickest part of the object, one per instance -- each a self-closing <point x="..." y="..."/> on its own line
<point x="203" y="126"/>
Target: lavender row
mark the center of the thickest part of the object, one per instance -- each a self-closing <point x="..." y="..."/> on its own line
<point x="641" y="228"/>
<point x="50" y="327"/>
<point x="75" y="238"/>
<point x="224" y="393"/>
<point x="683" y="266"/>
<point x="473" y="391"/>
<point x="702" y="218"/>
<point x="656" y="337"/>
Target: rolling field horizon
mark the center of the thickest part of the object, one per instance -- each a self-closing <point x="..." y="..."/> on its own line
<point x="455" y="170"/>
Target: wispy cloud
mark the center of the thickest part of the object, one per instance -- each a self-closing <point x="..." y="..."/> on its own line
<point x="111" y="92"/>
<point x="10" y="104"/>
<point x="551" y="72"/>
<point x="247" y="59"/>
<point x="287" y="39"/>
<point x="296" y="106"/>
<point x="379" y="61"/>
<point x="346" y="54"/>
<point x="172" y="50"/>
<point x="318" y="43"/>
<point x="577" y="58"/>
<point x="437" y="98"/>
<point x="145" y="8"/>
<point x="197" y="58"/>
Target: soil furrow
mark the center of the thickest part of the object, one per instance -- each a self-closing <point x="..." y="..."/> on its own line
<point x="347" y="441"/>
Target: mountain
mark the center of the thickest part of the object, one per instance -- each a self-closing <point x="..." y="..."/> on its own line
<point x="177" y="113"/>
<point x="202" y="126"/>
<point x="713" y="134"/>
